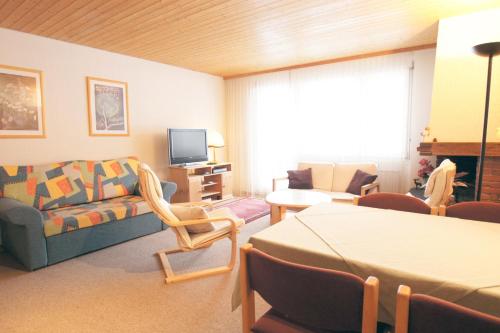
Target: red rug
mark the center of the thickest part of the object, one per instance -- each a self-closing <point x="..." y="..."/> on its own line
<point x="249" y="209"/>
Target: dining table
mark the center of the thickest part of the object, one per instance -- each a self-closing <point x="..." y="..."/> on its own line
<point x="457" y="260"/>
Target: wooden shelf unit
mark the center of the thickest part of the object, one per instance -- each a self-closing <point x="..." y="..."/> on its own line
<point x="201" y="182"/>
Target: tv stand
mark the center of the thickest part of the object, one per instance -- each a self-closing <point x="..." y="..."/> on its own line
<point x="188" y="164"/>
<point x="201" y="182"/>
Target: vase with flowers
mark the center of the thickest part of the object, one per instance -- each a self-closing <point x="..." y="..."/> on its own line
<point x="425" y="170"/>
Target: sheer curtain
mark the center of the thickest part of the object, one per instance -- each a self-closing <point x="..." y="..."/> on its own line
<point x="356" y="111"/>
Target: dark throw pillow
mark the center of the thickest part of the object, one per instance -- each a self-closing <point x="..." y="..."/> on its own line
<point x="359" y="179"/>
<point x="300" y="179"/>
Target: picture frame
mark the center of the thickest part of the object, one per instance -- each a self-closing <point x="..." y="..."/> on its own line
<point x="107" y="107"/>
<point x="22" y="104"/>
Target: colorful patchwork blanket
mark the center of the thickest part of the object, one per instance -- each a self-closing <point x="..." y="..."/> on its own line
<point x="69" y="183"/>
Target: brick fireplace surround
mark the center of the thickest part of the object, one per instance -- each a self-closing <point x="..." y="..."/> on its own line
<point x="491" y="177"/>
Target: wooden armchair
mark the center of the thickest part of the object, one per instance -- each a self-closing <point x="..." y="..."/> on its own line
<point x="226" y="227"/>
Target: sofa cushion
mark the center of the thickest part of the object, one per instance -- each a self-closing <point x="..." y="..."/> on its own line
<point x="322" y="174"/>
<point x="67" y="219"/>
<point x="69" y="183"/>
<point x="343" y="173"/>
<point x="300" y="179"/>
<point x="44" y="186"/>
<point x="359" y="179"/>
<point x="109" y="178"/>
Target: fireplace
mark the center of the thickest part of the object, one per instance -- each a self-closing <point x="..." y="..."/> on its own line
<point x="466" y="165"/>
<point x="465" y="156"/>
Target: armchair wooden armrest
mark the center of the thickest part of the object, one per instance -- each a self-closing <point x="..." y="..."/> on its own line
<point x="276" y="180"/>
<point x="195" y="203"/>
<point x="366" y="188"/>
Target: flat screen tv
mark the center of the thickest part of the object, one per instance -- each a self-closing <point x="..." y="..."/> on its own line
<point x="187" y="145"/>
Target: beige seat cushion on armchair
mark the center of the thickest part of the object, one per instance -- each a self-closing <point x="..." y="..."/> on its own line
<point x="186" y="213"/>
<point x="219" y="229"/>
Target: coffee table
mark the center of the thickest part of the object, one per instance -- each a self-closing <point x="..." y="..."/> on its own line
<point x="281" y="200"/>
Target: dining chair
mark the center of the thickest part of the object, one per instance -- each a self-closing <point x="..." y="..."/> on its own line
<point x="304" y="298"/>
<point x="226" y="227"/>
<point x="416" y="313"/>
<point x="474" y="210"/>
<point x="395" y="201"/>
<point x="439" y="186"/>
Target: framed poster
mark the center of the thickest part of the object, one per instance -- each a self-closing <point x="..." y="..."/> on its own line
<point x="21" y="103"/>
<point x="107" y="103"/>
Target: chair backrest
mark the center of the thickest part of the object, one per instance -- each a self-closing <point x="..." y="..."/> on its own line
<point x="314" y="297"/>
<point x="474" y="210"/>
<point x="395" y="201"/>
<point x="152" y="193"/>
<point x="439" y="187"/>
<point x="425" y="314"/>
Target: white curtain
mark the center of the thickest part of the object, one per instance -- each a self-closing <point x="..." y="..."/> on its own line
<point x="356" y="111"/>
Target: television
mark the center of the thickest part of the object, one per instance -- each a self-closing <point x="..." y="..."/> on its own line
<point x="187" y="146"/>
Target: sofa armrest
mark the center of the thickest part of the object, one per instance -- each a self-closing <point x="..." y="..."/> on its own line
<point x="368" y="187"/>
<point x="22" y="233"/>
<point x="278" y="180"/>
<point x="168" y="189"/>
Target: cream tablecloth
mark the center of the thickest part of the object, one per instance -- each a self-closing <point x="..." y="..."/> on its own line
<point x="453" y="259"/>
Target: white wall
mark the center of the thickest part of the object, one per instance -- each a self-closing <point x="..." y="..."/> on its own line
<point x="460" y="79"/>
<point x="160" y="96"/>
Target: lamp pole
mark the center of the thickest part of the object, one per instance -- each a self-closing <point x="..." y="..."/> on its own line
<point x="490" y="50"/>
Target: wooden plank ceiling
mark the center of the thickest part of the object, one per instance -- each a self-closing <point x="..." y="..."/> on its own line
<point x="231" y="37"/>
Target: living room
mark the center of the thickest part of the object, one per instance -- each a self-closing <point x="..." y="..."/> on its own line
<point x="298" y="117"/>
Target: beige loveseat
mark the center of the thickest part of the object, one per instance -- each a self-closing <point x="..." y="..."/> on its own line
<point x="333" y="179"/>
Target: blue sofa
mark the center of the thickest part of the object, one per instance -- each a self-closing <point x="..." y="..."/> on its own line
<point x="44" y="232"/>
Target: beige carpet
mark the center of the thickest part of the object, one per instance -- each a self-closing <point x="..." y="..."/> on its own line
<point x="122" y="289"/>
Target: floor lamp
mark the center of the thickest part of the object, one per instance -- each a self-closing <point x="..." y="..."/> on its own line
<point x="486" y="50"/>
